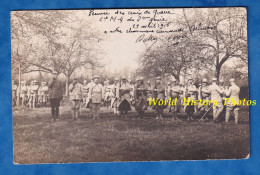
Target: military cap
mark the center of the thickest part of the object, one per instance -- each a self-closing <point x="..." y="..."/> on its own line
<point x="221" y="81"/>
<point x="204" y="80"/>
<point x="54" y="72"/>
<point x="214" y="79"/>
<point x="123" y="78"/>
<point x="148" y="82"/>
<point x="23" y="81"/>
<point x="232" y="80"/>
<point x="169" y="83"/>
<point x="140" y="78"/>
<point x="158" y="78"/>
<point x="43" y="82"/>
<point x="96" y="76"/>
<point x="116" y="79"/>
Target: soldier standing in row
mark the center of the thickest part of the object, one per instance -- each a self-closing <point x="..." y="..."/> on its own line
<point x="23" y="92"/>
<point x="159" y="92"/>
<point x="33" y="92"/>
<point x="204" y="94"/>
<point x="42" y="93"/>
<point x="232" y="93"/>
<point x="76" y="96"/>
<point x="215" y="93"/>
<point x="190" y="94"/>
<point x="140" y="97"/>
<point x="174" y="94"/>
<point x="149" y="92"/>
<point x="115" y="99"/>
<point x="124" y="94"/>
<point x="55" y="95"/>
<point x="108" y="93"/>
<point x="96" y="96"/>
<point x="14" y="93"/>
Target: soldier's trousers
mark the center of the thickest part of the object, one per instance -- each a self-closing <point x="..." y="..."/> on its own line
<point x="75" y="107"/>
<point x="55" y="104"/>
<point x="95" y="109"/>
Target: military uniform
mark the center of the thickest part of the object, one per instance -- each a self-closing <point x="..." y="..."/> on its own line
<point x="55" y="95"/>
<point x="174" y="91"/>
<point x="115" y="98"/>
<point x="232" y="93"/>
<point x="76" y="96"/>
<point x="96" y="95"/>
<point x="140" y="96"/>
<point x="215" y="93"/>
<point x="190" y="94"/>
<point x="124" y="104"/>
<point x="159" y="92"/>
<point x="23" y="92"/>
<point x="43" y="93"/>
<point x="33" y="94"/>
<point x="14" y="93"/>
<point x="108" y="90"/>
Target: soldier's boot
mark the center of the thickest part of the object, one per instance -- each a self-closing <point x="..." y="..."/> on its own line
<point x="227" y="116"/>
<point x="236" y="117"/>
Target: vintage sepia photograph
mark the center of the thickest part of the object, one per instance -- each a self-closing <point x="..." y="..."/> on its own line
<point x="120" y="85"/>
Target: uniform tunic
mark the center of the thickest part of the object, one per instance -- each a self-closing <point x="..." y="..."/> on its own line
<point x="76" y="95"/>
<point x="233" y="94"/>
<point x="159" y="92"/>
<point x="96" y="94"/>
<point x="191" y="95"/>
<point x="33" y="92"/>
<point x="140" y="95"/>
<point x="174" y="93"/>
<point x="204" y="94"/>
<point x="124" y="93"/>
<point x="43" y="91"/>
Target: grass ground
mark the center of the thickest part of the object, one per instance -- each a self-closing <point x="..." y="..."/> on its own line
<point x="115" y="138"/>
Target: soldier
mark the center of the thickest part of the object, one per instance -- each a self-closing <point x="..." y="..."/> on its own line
<point x="124" y="95"/>
<point x="85" y="91"/>
<point x="173" y="92"/>
<point x="140" y="96"/>
<point x="96" y="95"/>
<point x="115" y="98"/>
<point x="215" y="93"/>
<point x="14" y="93"/>
<point x="132" y="91"/>
<point x="149" y="92"/>
<point x="108" y="93"/>
<point x="232" y="93"/>
<point x="55" y="95"/>
<point x="204" y="94"/>
<point x="190" y="94"/>
<point x="167" y="90"/>
<point x="42" y="93"/>
<point x="23" y="92"/>
<point x="159" y="92"/>
<point x="33" y="94"/>
<point x="76" y="96"/>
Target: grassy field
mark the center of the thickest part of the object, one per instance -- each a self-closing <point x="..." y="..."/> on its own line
<point x="115" y="138"/>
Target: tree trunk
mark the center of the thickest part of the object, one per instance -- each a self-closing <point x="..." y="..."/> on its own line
<point x="67" y="85"/>
<point x="217" y="72"/>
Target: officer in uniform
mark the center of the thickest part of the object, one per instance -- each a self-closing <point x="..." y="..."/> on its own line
<point x="14" y="93"/>
<point x="173" y="92"/>
<point x="42" y="93"/>
<point x="190" y="94"/>
<point x="232" y="93"/>
<point x="76" y="96"/>
<point x="215" y="93"/>
<point x="33" y="92"/>
<point x="159" y="92"/>
<point x="85" y="91"/>
<point x="124" y="95"/>
<point x="204" y="94"/>
<point x="140" y="96"/>
<point x="96" y="95"/>
<point x="115" y="98"/>
<point x="55" y="95"/>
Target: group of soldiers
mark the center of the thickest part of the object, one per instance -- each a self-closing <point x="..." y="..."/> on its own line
<point x="122" y="94"/>
<point x="30" y="94"/>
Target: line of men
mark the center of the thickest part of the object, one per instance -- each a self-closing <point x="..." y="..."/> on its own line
<point x="30" y="94"/>
<point x="121" y="95"/>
